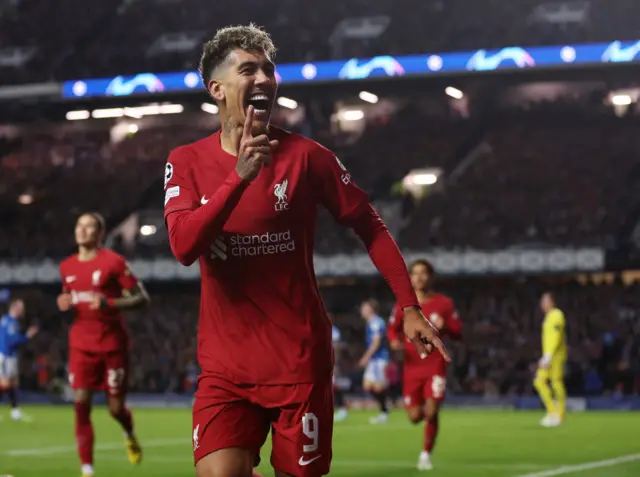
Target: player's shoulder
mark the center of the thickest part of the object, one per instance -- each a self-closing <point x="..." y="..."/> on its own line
<point x="444" y="300"/>
<point x="377" y="322"/>
<point x="110" y="256"/>
<point x="69" y="261"/>
<point x="187" y="155"/>
<point x="294" y="143"/>
<point x="556" y="314"/>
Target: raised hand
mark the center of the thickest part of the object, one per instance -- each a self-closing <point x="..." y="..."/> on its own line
<point x="253" y="152"/>
<point x="422" y="333"/>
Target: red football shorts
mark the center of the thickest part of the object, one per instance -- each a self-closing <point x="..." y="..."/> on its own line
<point x="417" y="390"/>
<point x="301" y="415"/>
<point x="99" y="371"/>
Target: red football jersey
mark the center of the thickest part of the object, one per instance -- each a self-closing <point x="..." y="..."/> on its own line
<point x="262" y="319"/>
<point x="108" y="275"/>
<point x="437" y="307"/>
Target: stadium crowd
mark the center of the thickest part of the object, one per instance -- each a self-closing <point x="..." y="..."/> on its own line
<point x="80" y="40"/>
<point x="544" y="178"/>
<point x="497" y="356"/>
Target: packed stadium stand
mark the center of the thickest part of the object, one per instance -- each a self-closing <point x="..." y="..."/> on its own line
<point x="106" y="38"/>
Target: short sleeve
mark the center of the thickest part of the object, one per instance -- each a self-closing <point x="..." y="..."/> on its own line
<point x="558" y="321"/>
<point x="377" y="327"/>
<point x="179" y="193"/>
<point x="335" y="187"/>
<point x="123" y="274"/>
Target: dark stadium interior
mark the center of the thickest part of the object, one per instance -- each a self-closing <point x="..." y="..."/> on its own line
<point x="537" y="161"/>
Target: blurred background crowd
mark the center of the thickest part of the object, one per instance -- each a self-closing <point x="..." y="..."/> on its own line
<point x="536" y="162"/>
<point x="497" y="356"/>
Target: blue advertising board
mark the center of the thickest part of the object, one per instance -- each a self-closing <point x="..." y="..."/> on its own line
<point x="509" y="58"/>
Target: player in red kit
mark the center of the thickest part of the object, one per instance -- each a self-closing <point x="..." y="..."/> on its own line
<point x="424" y="380"/>
<point x="243" y="202"/>
<point x="97" y="284"/>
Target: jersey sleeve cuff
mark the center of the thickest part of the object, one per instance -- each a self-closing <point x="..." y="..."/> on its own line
<point x="409" y="302"/>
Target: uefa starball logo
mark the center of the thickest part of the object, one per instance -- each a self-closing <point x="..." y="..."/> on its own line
<point x="484" y="61"/>
<point x="388" y="65"/>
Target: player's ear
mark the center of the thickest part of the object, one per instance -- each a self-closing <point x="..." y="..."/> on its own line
<point x="216" y="90"/>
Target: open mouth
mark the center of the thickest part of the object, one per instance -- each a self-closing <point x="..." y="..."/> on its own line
<point x="260" y="103"/>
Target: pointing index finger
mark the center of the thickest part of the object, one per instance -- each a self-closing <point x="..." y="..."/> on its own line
<point x="440" y="346"/>
<point x="421" y="348"/>
<point x="247" y="132"/>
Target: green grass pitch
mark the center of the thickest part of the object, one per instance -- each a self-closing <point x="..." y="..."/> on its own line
<point x="471" y="444"/>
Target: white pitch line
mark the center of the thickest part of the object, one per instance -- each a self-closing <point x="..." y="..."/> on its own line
<point x="168" y="442"/>
<point x="396" y="464"/>
<point x="569" y="469"/>
<point x="113" y="446"/>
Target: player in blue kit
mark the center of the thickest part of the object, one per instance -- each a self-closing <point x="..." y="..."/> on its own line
<point x="376" y="358"/>
<point x="338" y="391"/>
<point x="11" y="337"/>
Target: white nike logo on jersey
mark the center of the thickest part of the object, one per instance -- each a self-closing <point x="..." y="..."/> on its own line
<point x="204" y="200"/>
<point x="70" y="278"/>
<point x="302" y="462"/>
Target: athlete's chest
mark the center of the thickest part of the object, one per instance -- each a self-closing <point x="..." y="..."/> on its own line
<point x="88" y="276"/>
<point x="279" y="196"/>
<point x="435" y="311"/>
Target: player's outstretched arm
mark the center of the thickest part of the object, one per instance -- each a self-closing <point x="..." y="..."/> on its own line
<point x="194" y="223"/>
<point x="350" y="206"/>
<point x="387" y="258"/>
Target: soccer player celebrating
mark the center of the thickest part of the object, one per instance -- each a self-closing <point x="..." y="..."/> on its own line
<point x="98" y="284"/>
<point x="375" y="359"/>
<point x="244" y="202"/>
<point x="551" y="365"/>
<point x="424" y="381"/>
<point x="11" y="338"/>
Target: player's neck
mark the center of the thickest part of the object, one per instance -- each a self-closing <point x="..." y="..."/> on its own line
<point x="87" y="253"/>
<point x="228" y="142"/>
<point x="229" y="136"/>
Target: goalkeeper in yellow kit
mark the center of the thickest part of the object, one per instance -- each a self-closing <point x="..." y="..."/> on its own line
<point x="551" y="365"/>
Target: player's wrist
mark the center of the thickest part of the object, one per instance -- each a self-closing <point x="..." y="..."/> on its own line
<point x="409" y="307"/>
<point x="107" y="303"/>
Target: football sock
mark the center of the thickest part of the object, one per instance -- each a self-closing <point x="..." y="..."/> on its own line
<point x="430" y="433"/>
<point x="381" y="397"/>
<point x="84" y="432"/>
<point x="125" y="418"/>
<point x="87" y="469"/>
<point x="544" y="391"/>
<point x="560" y="394"/>
<point x="13" y="397"/>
